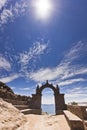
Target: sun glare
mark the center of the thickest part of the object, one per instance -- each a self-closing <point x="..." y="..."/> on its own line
<point x="43" y="8"/>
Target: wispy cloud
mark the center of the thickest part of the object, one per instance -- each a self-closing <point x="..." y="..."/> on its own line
<point x="21" y="61"/>
<point x="32" y="54"/>
<point x="2" y="3"/>
<point x="11" y="12"/>
<point x="74" y="52"/>
<point x="9" y="78"/>
<point x="4" y="63"/>
<point x="71" y="81"/>
<point x="44" y="74"/>
<point x="77" y="90"/>
<point x="24" y="89"/>
<point x="67" y="68"/>
<point x="77" y="94"/>
<point x="5" y="15"/>
<point x="65" y="73"/>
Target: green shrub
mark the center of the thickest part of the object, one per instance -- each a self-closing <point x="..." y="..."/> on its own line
<point x="74" y="103"/>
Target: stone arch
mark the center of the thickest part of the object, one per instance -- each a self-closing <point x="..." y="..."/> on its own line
<point x="47" y="85"/>
<point x="35" y="102"/>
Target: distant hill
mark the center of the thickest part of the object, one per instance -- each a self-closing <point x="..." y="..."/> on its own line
<point x="7" y="93"/>
<point x="4" y="87"/>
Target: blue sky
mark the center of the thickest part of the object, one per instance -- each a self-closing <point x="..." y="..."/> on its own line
<point x="34" y="49"/>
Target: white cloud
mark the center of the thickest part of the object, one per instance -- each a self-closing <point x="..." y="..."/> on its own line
<point x="77" y="94"/>
<point x="9" y="78"/>
<point x="13" y="88"/>
<point x="24" y="61"/>
<point x="67" y="68"/>
<point x="46" y="74"/>
<point x="36" y="50"/>
<point x="5" y="15"/>
<point x="33" y="52"/>
<point x="73" y="71"/>
<point x="75" y="97"/>
<point x="73" y="53"/>
<point x="20" y="7"/>
<point x="4" y="63"/>
<point x="2" y="3"/>
<point x="24" y="89"/>
<point x="82" y="89"/>
<point x="9" y="14"/>
<point x="71" y="81"/>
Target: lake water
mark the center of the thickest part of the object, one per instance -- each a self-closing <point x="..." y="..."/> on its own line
<point x="49" y="108"/>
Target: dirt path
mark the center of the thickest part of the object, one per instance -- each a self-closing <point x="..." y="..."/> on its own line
<point x="45" y="122"/>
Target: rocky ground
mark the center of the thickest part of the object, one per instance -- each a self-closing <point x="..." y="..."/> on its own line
<point x="12" y="119"/>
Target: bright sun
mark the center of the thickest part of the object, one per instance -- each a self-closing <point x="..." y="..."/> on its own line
<point x="43" y="8"/>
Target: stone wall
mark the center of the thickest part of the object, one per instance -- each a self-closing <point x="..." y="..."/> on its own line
<point x="80" y="111"/>
<point x="19" y="101"/>
<point x="16" y="102"/>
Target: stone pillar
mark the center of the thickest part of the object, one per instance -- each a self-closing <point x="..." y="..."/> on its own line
<point x="59" y="103"/>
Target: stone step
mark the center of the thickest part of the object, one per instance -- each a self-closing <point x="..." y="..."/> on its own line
<point x="21" y="107"/>
<point x="74" y="121"/>
<point x="31" y="111"/>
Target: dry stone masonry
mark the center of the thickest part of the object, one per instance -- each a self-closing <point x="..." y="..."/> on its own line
<point x="35" y="102"/>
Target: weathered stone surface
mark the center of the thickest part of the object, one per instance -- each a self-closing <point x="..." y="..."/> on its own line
<point x="74" y="122"/>
<point x="35" y="102"/>
<point x="80" y="111"/>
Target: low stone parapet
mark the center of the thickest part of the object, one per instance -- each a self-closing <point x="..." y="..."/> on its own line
<point x="74" y="122"/>
<point x="80" y="111"/>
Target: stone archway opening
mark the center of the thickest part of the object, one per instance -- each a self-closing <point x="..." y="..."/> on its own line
<point x="48" y="101"/>
<point x="35" y="102"/>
